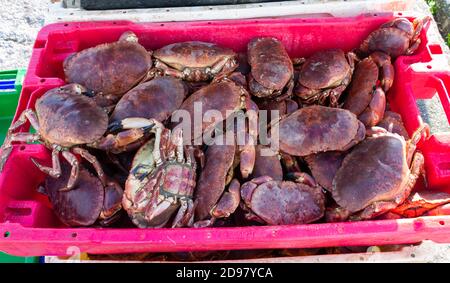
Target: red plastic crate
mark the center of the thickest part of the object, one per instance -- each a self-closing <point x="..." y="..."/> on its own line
<point x="29" y="227"/>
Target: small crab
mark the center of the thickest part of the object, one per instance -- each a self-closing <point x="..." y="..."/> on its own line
<point x="272" y="72"/>
<point x="87" y="203"/>
<point x="156" y="99"/>
<point x="318" y="128"/>
<point x="195" y="61"/>
<point x="224" y="97"/>
<point x="283" y="202"/>
<point x="365" y="99"/>
<point x="324" y="166"/>
<point x="378" y="174"/>
<point x="419" y="203"/>
<point x="395" y="38"/>
<point x="324" y="76"/>
<point x="161" y="181"/>
<point x="111" y="69"/>
<point x="65" y="120"/>
<point x="213" y="200"/>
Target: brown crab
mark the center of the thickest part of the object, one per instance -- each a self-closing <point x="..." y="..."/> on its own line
<point x="111" y="69"/>
<point x="283" y="202"/>
<point x="316" y="129"/>
<point x="195" y="60"/>
<point x="365" y="99"/>
<point x="324" y="76"/>
<point x="87" y="203"/>
<point x="156" y="99"/>
<point x="65" y="120"/>
<point x="272" y="73"/>
<point x="267" y="164"/>
<point x="284" y="107"/>
<point x="324" y="166"/>
<point x="378" y="174"/>
<point x="213" y="200"/>
<point x="161" y="181"/>
<point x="395" y="38"/>
<point x="224" y="97"/>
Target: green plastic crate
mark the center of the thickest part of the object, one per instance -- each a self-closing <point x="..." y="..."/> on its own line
<point x="10" y="88"/>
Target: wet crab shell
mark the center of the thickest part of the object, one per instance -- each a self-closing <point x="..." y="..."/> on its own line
<point x="156" y="99"/>
<point x="375" y="170"/>
<point x="317" y="128"/>
<point x="324" y="166"/>
<point x="80" y="206"/>
<point x="224" y="97"/>
<point x="285" y="203"/>
<point x="324" y="69"/>
<point x="267" y="165"/>
<point x="270" y="64"/>
<point x="192" y="54"/>
<point x="364" y="80"/>
<point x="110" y="68"/>
<point x="66" y="117"/>
<point x="214" y="178"/>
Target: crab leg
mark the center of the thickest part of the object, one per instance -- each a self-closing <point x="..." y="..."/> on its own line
<point x="55" y="170"/>
<point x="73" y="173"/>
<point x="6" y="148"/>
<point x="169" y="71"/>
<point x="26" y="115"/>
<point x="93" y="160"/>
<point x="185" y="214"/>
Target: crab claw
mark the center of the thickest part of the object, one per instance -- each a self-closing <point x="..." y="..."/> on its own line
<point x="301" y="177"/>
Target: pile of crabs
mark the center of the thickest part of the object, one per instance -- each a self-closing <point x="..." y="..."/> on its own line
<point x="341" y="154"/>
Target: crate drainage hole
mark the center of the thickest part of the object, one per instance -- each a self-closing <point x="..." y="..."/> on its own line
<point x="42" y="80"/>
<point x="400" y="14"/>
<point x="74" y="235"/>
<point x="22" y="147"/>
<point x="428" y="67"/>
<point x="442" y="223"/>
<point x="7" y="234"/>
<point x="162" y="25"/>
<point x="66" y="25"/>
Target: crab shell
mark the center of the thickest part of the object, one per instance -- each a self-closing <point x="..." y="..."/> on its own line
<point x="86" y="203"/>
<point x="283" y="202"/>
<point x="111" y="68"/>
<point x="396" y="37"/>
<point x="324" y="166"/>
<point x="267" y="164"/>
<point x="195" y="57"/>
<point x="393" y="122"/>
<point x="156" y="99"/>
<point x="324" y="70"/>
<point x="365" y="98"/>
<point x="376" y="170"/>
<point x="225" y="97"/>
<point x="67" y="118"/>
<point x="318" y="128"/>
<point x="271" y="67"/>
<point x="213" y="179"/>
